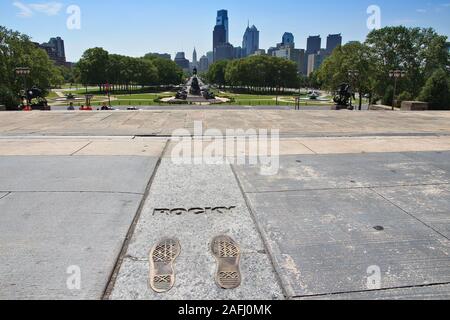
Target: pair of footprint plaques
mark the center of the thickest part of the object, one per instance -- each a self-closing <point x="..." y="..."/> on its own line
<point x="223" y="248"/>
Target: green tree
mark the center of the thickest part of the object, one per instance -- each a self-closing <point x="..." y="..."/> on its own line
<point x="416" y="51"/>
<point x="437" y="90"/>
<point x="93" y="67"/>
<point x="169" y="73"/>
<point x="261" y="73"/>
<point x="216" y="73"/>
<point x="351" y="63"/>
<point x="17" y="50"/>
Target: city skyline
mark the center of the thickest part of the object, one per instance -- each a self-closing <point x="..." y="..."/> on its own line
<point x="158" y="27"/>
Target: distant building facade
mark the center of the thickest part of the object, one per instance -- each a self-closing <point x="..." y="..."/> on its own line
<point x="194" y="63"/>
<point x="260" y="52"/>
<point x="287" y="40"/>
<point x="333" y="41"/>
<point x="182" y="62"/>
<point x="271" y="50"/>
<point x="219" y="38"/>
<point x="250" y="42"/>
<point x="56" y="51"/>
<point x="224" y="52"/>
<point x="222" y="20"/>
<point x="316" y="60"/>
<point x="203" y="64"/>
<point x="286" y="50"/>
<point x="239" y="53"/>
<point x="313" y="44"/>
<point x="210" y="56"/>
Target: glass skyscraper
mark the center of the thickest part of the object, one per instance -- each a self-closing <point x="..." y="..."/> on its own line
<point x="222" y="20"/>
<point x="250" y="43"/>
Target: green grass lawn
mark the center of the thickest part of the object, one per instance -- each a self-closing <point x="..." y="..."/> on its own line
<point x="51" y="95"/>
<point x="267" y="100"/>
<point x="149" y="96"/>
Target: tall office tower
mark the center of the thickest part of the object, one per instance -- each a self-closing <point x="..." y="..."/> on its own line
<point x="333" y="41"/>
<point x="288" y="40"/>
<point x="58" y="44"/>
<point x="203" y="64"/>
<point x="55" y="50"/>
<point x="194" y="58"/>
<point x="222" y="20"/>
<point x="315" y="60"/>
<point x="313" y="45"/>
<point x="210" y="56"/>
<point x="250" y="43"/>
<point x="219" y="37"/>
<point x="239" y="53"/>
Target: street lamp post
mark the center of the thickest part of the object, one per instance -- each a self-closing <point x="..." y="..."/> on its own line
<point x="23" y="72"/>
<point x="396" y="74"/>
<point x="354" y="75"/>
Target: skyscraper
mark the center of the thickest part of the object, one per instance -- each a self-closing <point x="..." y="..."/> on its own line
<point x="250" y="42"/>
<point x="313" y="45"/>
<point x="58" y="43"/>
<point x="333" y="41"/>
<point x="55" y="50"/>
<point x="222" y="20"/>
<point x="219" y="38"/>
<point x="210" y="56"/>
<point x="288" y="40"/>
<point x="315" y="60"/>
<point x="203" y="64"/>
<point x="194" y="58"/>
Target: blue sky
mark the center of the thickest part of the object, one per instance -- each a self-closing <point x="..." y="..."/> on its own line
<point x="135" y="27"/>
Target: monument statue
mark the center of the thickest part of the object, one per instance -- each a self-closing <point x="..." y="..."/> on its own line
<point x="343" y="96"/>
<point x="36" y="94"/>
<point x="195" y="87"/>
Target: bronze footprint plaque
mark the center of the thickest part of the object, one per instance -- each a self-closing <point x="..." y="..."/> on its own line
<point x="162" y="259"/>
<point x="228" y="255"/>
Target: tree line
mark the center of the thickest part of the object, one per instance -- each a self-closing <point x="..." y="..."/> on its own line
<point x="421" y="54"/>
<point x="100" y="68"/>
<point x="263" y="74"/>
<point x="16" y="51"/>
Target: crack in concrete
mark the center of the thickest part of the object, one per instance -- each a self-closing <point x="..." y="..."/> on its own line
<point x="5" y="195"/>
<point x="85" y="191"/>
<point x="285" y="287"/>
<point x="123" y="253"/>
<point x="351" y="188"/>
<point x="81" y="148"/>
<point x="370" y="291"/>
<point x="409" y="214"/>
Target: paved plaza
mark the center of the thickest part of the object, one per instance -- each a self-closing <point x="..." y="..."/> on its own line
<point x="358" y="196"/>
